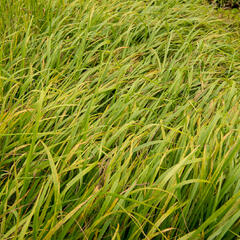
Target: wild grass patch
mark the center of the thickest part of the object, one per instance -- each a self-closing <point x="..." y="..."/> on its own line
<point x="119" y="120"/>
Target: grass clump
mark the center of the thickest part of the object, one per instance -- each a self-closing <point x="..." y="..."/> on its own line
<point x="119" y="120"/>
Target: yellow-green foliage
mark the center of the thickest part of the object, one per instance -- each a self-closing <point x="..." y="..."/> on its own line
<point x="119" y="120"/>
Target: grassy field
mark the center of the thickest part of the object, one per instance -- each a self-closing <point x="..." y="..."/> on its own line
<point x="119" y="120"/>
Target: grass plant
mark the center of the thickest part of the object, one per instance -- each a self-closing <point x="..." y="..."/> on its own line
<point x="119" y="120"/>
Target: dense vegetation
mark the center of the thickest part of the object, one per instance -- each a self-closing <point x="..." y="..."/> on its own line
<point x="119" y="120"/>
<point x="226" y="3"/>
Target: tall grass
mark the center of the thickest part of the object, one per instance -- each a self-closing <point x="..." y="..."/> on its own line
<point x="119" y="120"/>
